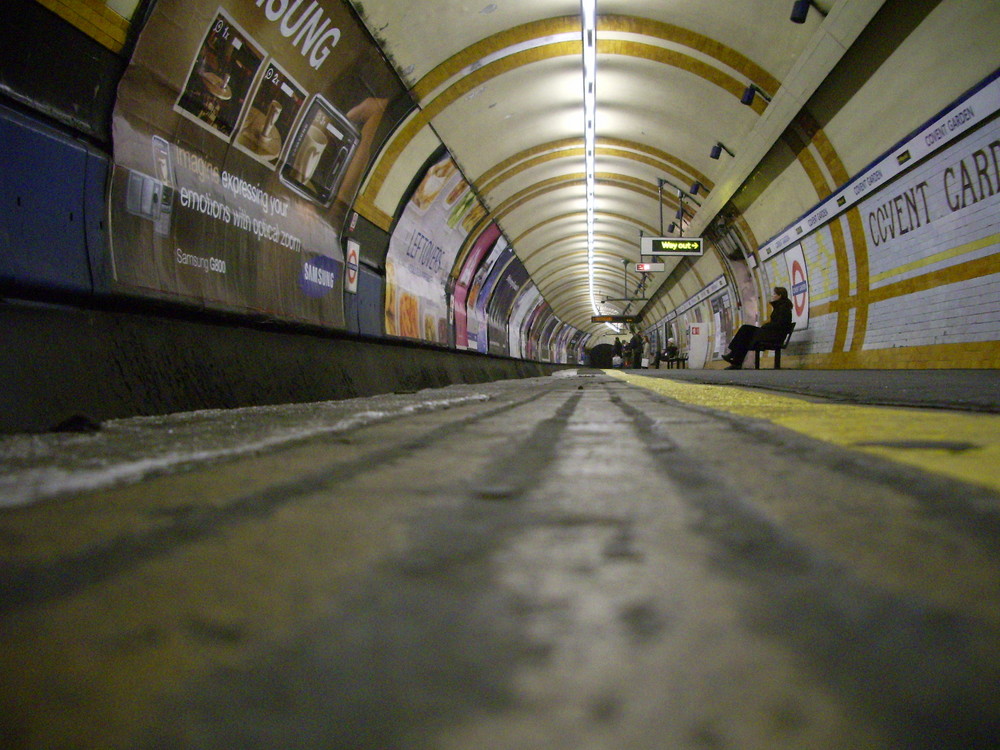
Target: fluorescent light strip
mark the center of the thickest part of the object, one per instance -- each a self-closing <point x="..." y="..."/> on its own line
<point x="588" y="15"/>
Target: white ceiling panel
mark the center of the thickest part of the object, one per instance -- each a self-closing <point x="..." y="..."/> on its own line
<point x="500" y="83"/>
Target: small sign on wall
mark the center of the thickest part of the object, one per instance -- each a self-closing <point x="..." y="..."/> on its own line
<point x="351" y="267"/>
<point x="799" y="286"/>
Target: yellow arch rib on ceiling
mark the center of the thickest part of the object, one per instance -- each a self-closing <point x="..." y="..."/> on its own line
<point x="581" y="247"/>
<point x="605" y="23"/>
<point x="573" y="148"/>
<point x="564" y="283"/>
<point x="528" y="194"/>
<point x="541" y="29"/>
<point x="546" y="268"/>
<point x="576" y="216"/>
<point x="608" y="279"/>
<point x="419" y="121"/>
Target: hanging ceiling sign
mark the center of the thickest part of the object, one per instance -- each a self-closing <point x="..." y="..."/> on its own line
<point x="671" y="246"/>
<point x="614" y="319"/>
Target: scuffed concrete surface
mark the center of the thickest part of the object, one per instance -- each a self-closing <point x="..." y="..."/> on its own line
<point x="555" y="563"/>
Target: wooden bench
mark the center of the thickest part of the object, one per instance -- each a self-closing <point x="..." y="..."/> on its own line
<point x="771" y="346"/>
<point x="681" y="360"/>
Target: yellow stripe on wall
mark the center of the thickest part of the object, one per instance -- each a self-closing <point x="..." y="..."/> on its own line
<point x="969" y="247"/>
<point x="965" y="355"/>
<point x="94" y="18"/>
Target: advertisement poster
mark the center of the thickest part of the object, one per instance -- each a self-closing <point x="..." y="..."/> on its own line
<point x="722" y="318"/>
<point x="533" y="329"/>
<point x="526" y="302"/>
<point x="241" y="131"/>
<point x="561" y="352"/>
<point x="422" y="252"/>
<point x="557" y="343"/>
<point x="473" y="322"/>
<point x="501" y="304"/>
<point x="460" y="295"/>
<point x="478" y="312"/>
<point x="545" y="339"/>
<point x="539" y="327"/>
<point x="577" y="346"/>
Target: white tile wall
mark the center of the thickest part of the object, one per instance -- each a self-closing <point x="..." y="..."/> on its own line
<point x="966" y="311"/>
<point x="962" y="312"/>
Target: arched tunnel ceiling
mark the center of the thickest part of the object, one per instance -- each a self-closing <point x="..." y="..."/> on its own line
<point x="500" y="84"/>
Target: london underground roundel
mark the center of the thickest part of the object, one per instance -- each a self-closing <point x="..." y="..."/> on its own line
<point x="800" y="288"/>
<point x="351" y="267"/>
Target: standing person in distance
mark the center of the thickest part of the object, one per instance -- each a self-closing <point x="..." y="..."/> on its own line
<point x="636" y="345"/>
<point x="647" y="351"/>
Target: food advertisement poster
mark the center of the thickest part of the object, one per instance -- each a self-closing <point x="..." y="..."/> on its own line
<point x="422" y="251"/>
<point x="241" y="131"/>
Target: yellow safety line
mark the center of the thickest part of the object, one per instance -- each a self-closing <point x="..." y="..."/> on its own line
<point x="853" y="426"/>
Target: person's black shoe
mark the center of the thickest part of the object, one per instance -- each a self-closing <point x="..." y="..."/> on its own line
<point x="728" y="358"/>
<point x="735" y="367"/>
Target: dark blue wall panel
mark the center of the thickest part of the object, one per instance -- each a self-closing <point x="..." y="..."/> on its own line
<point x="43" y="179"/>
<point x="371" y="319"/>
<point x="95" y="220"/>
<point x="351" y="321"/>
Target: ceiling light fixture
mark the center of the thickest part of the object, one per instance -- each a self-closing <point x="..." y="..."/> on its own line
<point x="680" y="212"/>
<point x="800" y="9"/>
<point x="750" y="91"/>
<point x="717" y="150"/>
<point x="681" y="197"/>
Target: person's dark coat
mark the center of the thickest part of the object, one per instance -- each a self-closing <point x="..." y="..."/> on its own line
<point x="778" y="324"/>
<point x="773" y="331"/>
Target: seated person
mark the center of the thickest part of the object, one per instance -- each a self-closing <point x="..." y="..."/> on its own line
<point x="773" y="331"/>
<point x="670" y="351"/>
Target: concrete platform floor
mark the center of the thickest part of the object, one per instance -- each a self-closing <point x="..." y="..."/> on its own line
<point x="599" y="560"/>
